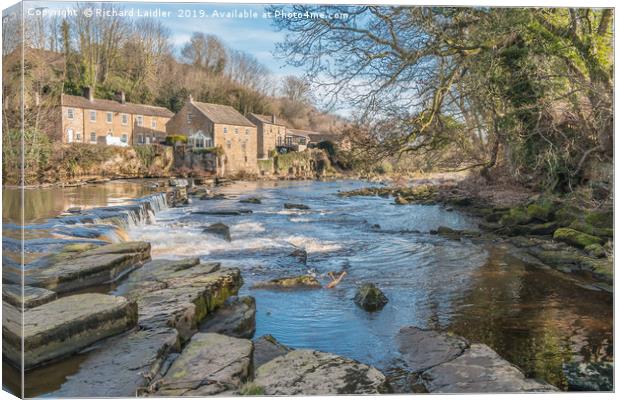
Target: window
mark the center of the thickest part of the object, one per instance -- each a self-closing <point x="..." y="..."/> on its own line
<point x="236" y="131"/>
<point x="70" y="113"/>
<point x="228" y="144"/>
<point x="189" y="118"/>
<point x="209" y="142"/>
<point x="124" y="119"/>
<point x="108" y="117"/>
<point x="140" y="139"/>
<point x="139" y="120"/>
<point x="78" y="137"/>
<point x="153" y="123"/>
<point x="225" y="130"/>
<point x="69" y="135"/>
<point x="124" y="138"/>
<point x="93" y="137"/>
<point x="93" y="116"/>
<point x="247" y="131"/>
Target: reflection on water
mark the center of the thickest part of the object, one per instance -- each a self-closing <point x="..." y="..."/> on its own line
<point x="535" y="318"/>
<point x="43" y="203"/>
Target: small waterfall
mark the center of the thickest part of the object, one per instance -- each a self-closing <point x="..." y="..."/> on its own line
<point x="140" y="211"/>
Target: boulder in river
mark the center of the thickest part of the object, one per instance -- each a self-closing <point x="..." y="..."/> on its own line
<point x="448" y="363"/>
<point x="300" y="254"/>
<point x="219" y="229"/>
<point x="236" y="317"/>
<point x="310" y="372"/>
<point x="64" y="326"/>
<point x="178" y="182"/>
<point x="266" y="348"/>
<point x="292" y="282"/>
<point x="209" y="196"/>
<point x="296" y="206"/>
<point x="210" y="364"/>
<point x="370" y="297"/>
<point x="240" y="211"/>
<point x="422" y="348"/>
<point x="400" y="200"/>
<point x="480" y="370"/>
<point x="32" y="296"/>
<point x="251" y="200"/>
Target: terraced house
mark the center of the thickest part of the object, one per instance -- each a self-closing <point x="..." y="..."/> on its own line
<point x="271" y="133"/>
<point x="209" y="126"/>
<point x="113" y="122"/>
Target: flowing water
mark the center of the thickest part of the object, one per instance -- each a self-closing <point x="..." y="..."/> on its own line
<point x="537" y="319"/>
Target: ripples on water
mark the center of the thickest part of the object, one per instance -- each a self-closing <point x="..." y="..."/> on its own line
<point x="534" y="318"/>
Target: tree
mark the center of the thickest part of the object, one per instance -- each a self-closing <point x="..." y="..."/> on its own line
<point x="535" y="82"/>
<point x="205" y="51"/>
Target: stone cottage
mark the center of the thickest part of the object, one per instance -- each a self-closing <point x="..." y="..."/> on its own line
<point x="114" y="122"/>
<point x="271" y="133"/>
<point x="211" y="126"/>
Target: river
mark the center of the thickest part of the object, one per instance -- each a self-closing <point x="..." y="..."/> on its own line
<point x="537" y="319"/>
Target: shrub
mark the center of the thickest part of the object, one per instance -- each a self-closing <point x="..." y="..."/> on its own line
<point x="217" y="151"/>
<point x="384" y="168"/>
<point x="171" y="140"/>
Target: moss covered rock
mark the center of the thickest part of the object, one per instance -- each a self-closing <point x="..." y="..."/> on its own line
<point x="293" y="282"/>
<point x="370" y="297"/>
<point x="515" y="216"/>
<point x="576" y="238"/>
<point x="595" y="250"/>
<point x="600" y="219"/>
<point x="400" y="200"/>
<point x="541" y="211"/>
<point x="567" y="215"/>
<point x="591" y="230"/>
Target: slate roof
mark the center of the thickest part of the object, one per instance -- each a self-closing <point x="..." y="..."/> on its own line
<point x="112" y="105"/>
<point x="220" y="114"/>
<point x="266" y="119"/>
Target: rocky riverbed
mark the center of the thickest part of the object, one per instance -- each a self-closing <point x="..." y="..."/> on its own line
<point x="173" y="308"/>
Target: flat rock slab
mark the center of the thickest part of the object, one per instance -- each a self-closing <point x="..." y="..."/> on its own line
<point x="266" y="348"/>
<point x="121" y="365"/>
<point x="32" y="296"/>
<point x="98" y="266"/>
<point x="309" y="372"/>
<point x="423" y="349"/>
<point x="210" y="364"/>
<point x="64" y="326"/>
<point x="173" y="297"/>
<point x="236" y="318"/>
<point x="479" y="370"/>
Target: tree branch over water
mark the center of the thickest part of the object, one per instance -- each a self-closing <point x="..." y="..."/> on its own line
<point x="470" y="81"/>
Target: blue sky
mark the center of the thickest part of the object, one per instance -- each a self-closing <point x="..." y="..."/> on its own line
<point x="255" y="36"/>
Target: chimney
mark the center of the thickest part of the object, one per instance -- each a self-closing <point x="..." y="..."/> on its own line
<point x="273" y="118"/>
<point x="121" y="97"/>
<point x="89" y="93"/>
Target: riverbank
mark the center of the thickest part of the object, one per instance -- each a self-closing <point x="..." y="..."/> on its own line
<point x="256" y="252"/>
<point x="543" y="230"/>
